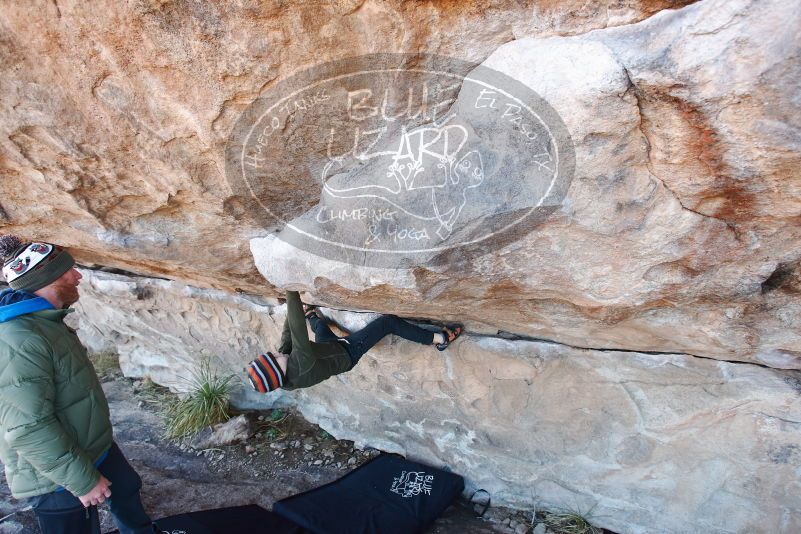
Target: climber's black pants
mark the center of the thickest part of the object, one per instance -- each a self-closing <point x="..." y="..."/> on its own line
<point x="358" y="343"/>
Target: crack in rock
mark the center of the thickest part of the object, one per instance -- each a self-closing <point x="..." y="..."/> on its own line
<point x="521" y="337"/>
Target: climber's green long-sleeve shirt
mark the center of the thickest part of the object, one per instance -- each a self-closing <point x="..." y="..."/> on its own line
<point x="309" y="363"/>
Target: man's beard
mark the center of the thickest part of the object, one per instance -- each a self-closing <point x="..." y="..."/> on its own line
<point x="69" y="297"/>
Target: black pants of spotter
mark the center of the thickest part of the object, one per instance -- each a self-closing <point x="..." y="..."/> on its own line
<point x="61" y="512"/>
<point x="358" y="343"/>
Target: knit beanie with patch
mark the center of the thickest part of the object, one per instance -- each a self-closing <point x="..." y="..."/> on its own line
<point x="265" y="374"/>
<point x="32" y="266"/>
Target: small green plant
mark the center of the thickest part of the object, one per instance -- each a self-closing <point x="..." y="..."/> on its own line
<point x="569" y="523"/>
<point x="205" y="405"/>
<point x="272" y="434"/>
<point x="272" y="427"/>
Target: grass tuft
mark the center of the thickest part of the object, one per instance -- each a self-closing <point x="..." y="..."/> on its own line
<point x="205" y="405"/>
<point x="569" y="523"/>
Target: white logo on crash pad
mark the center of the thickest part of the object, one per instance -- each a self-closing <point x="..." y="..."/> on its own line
<point x="412" y="483"/>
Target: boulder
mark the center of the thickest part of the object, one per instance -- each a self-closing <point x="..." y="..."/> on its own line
<point x="236" y="430"/>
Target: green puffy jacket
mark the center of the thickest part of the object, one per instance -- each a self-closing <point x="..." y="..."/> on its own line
<point x="54" y="417"/>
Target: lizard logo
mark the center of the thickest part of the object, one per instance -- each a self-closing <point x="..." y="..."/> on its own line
<point x="427" y="177"/>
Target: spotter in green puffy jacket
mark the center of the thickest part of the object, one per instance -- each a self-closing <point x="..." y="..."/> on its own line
<point x="54" y="418"/>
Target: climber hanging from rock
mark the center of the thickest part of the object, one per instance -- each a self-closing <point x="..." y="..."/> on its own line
<point x="301" y="363"/>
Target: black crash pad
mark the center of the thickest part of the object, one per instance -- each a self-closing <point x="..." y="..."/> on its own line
<point x="388" y="495"/>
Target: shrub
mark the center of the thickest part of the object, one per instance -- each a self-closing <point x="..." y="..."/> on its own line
<point x="205" y="405"/>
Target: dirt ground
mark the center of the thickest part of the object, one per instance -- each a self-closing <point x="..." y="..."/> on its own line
<point x="287" y="456"/>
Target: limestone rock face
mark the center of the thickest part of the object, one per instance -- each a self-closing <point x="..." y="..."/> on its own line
<point x="639" y="442"/>
<point x="680" y="231"/>
<point x="115" y="115"/>
<point x="163" y="329"/>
